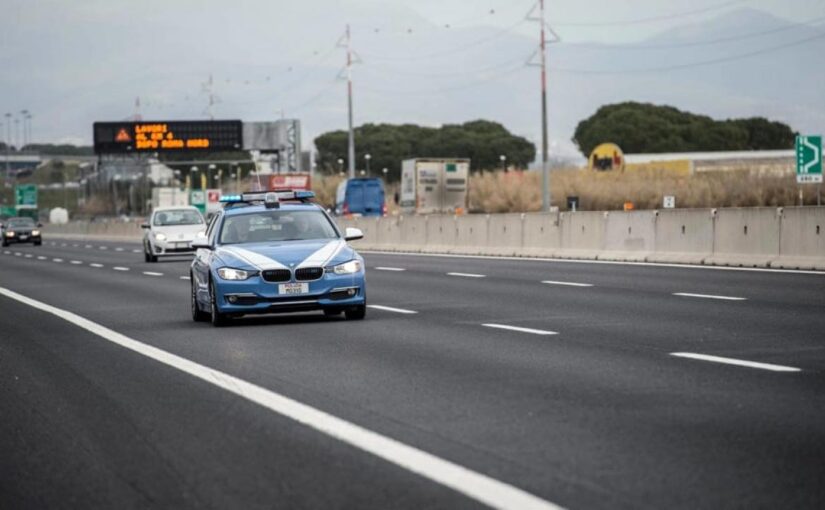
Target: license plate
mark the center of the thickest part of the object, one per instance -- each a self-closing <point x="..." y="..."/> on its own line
<point x="291" y="289"/>
<point x="181" y="245"/>
<point x="23" y="238"/>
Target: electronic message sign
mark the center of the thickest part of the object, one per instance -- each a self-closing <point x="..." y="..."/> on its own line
<point x="167" y="136"/>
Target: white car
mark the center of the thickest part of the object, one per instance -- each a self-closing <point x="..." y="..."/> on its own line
<point x="171" y="231"/>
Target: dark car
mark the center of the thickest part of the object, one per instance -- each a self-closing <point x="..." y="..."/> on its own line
<point x="21" y="230"/>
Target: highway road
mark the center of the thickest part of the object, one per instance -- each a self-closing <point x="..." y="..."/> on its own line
<point x="472" y="382"/>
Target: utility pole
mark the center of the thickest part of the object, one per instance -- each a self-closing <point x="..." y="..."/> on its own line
<point x="545" y="170"/>
<point x="346" y="42"/>
<point x="25" y="115"/>
<point x="8" y="144"/>
<point x="207" y="87"/>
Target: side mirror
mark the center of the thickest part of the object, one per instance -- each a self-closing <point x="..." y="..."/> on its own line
<point x="144" y="225"/>
<point x="39" y="225"/>
<point x="352" y="234"/>
<point x="201" y="245"/>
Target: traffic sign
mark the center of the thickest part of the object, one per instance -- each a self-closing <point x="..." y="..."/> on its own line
<point x="25" y="195"/>
<point x="197" y="199"/>
<point x="669" y="202"/>
<point x="808" y="159"/>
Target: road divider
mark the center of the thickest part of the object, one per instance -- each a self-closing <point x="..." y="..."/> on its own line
<point x="737" y="362"/>
<point x="520" y="329"/>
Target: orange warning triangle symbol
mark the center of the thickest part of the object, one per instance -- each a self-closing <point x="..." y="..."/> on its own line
<point x="123" y="136"/>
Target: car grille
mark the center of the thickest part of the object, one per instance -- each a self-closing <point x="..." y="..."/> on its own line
<point x="276" y="275"/>
<point x="309" y="273"/>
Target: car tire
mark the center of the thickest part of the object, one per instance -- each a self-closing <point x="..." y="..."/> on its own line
<point x="147" y="254"/>
<point x="356" y="313"/>
<point x="218" y="319"/>
<point x="198" y="315"/>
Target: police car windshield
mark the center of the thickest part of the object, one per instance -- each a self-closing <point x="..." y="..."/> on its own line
<point x="174" y="217"/>
<point x="21" y="223"/>
<point x="276" y="225"/>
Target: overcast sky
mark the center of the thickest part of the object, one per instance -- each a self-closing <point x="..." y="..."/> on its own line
<point x="73" y="62"/>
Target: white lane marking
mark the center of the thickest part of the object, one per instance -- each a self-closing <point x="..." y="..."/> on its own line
<point x="41" y="257"/>
<point x="586" y="261"/>
<point x="75" y="262"/>
<point x="391" y="309"/>
<point x="118" y="249"/>
<point x="29" y="255"/>
<point x="62" y="244"/>
<point x="184" y="277"/>
<point x="120" y="268"/>
<point x="569" y="284"/>
<point x="6" y="252"/>
<point x="480" y="487"/>
<point x="88" y="246"/>
<point x="104" y="247"/>
<point x="74" y="245"/>
<point x="709" y="296"/>
<point x="738" y="362"/>
<point x="521" y="330"/>
<point x="382" y="268"/>
<point x="137" y="251"/>
<point x="152" y="273"/>
<point x="468" y="275"/>
<point x="57" y="260"/>
<point x="17" y="254"/>
<point x="94" y="264"/>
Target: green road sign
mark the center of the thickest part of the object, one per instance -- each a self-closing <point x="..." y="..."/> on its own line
<point x="197" y="199"/>
<point x="7" y="211"/>
<point x="808" y="159"/>
<point x="25" y="195"/>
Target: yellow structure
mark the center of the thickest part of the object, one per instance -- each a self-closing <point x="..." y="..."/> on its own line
<point x="607" y="156"/>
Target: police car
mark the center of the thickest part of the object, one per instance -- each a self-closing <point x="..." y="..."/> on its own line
<point x="275" y="252"/>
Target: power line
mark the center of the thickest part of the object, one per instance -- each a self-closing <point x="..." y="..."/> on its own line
<point x="650" y="19"/>
<point x="437" y="90"/>
<point x="460" y="72"/>
<point x="708" y="42"/>
<point x="690" y="64"/>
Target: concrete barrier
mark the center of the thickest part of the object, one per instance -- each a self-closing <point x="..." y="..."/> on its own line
<point x="746" y="237"/>
<point x="542" y="235"/>
<point x="582" y="234"/>
<point x="471" y="234"/>
<point x="802" y="239"/>
<point x="629" y="236"/>
<point x="793" y="237"/>
<point x="505" y="234"/>
<point x="683" y="236"/>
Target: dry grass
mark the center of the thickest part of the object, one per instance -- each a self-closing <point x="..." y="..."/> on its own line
<point x="521" y="191"/>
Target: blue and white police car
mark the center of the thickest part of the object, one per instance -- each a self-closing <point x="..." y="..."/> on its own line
<point x="276" y="252"/>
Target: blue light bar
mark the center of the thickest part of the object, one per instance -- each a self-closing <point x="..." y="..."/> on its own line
<point x="260" y="196"/>
<point x="231" y="198"/>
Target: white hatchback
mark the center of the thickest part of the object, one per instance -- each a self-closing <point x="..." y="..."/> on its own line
<point x="171" y="231"/>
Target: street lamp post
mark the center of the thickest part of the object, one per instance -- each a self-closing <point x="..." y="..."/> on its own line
<point x="193" y="172"/>
<point x="368" y="157"/>
<point x="384" y="171"/>
<point x="503" y="159"/>
<point x="209" y="170"/>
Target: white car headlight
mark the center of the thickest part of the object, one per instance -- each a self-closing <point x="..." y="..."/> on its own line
<point x="228" y="273"/>
<point x="160" y="236"/>
<point x="353" y="266"/>
<point x="35" y="233"/>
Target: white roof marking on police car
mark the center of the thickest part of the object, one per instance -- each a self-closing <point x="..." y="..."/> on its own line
<point x="324" y="254"/>
<point x="257" y="260"/>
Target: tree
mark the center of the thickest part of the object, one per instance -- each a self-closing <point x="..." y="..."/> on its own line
<point x="480" y="140"/>
<point x="648" y="128"/>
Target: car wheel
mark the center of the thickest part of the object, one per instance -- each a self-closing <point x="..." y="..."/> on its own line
<point x="197" y="314"/>
<point x="218" y="319"/>
<point x="356" y="313"/>
<point x="147" y="254"/>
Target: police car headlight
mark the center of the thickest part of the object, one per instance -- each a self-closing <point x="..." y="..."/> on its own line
<point x="353" y="266"/>
<point x="228" y="273"/>
<point x="160" y="236"/>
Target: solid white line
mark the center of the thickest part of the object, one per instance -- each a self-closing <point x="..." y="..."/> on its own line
<point x="588" y="261"/>
<point x="152" y="273"/>
<point x="381" y="268"/>
<point x="57" y="260"/>
<point x="391" y="309"/>
<point x="521" y="330"/>
<point x="738" y="362"/>
<point x="76" y="262"/>
<point x="467" y="275"/>
<point x="477" y="486"/>
<point x="184" y="277"/>
<point x="95" y="265"/>
<point x="120" y="268"/>
<point x="709" y="296"/>
<point x="570" y="284"/>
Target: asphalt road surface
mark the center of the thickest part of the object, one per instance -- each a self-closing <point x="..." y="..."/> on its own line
<point x="472" y="382"/>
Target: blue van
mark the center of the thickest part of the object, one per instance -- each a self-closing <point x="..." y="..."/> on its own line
<point x="363" y="196"/>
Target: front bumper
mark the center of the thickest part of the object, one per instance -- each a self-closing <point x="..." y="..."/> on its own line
<point x="163" y="248"/>
<point x="22" y="239"/>
<point x="255" y="296"/>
